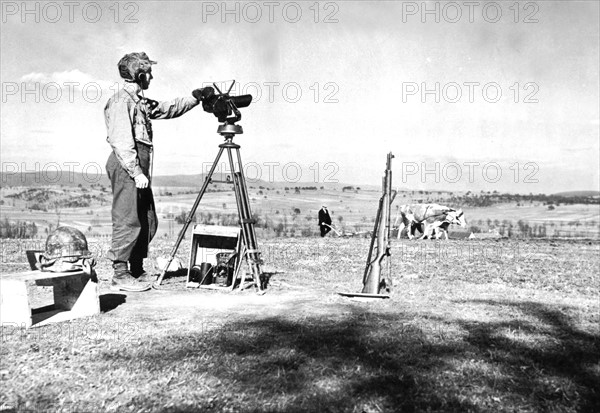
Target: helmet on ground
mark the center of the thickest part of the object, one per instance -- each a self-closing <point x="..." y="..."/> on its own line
<point x="66" y="242"/>
<point x="66" y="249"/>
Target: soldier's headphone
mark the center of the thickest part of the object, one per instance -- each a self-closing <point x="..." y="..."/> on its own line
<point x="141" y="76"/>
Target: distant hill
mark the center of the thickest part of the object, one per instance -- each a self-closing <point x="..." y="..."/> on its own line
<point x="51" y="178"/>
<point x="54" y="178"/>
<point x="75" y="179"/>
<point x="578" y="193"/>
<point x="190" y="181"/>
<point x="195" y="181"/>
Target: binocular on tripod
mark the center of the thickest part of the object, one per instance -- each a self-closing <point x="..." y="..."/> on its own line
<point x="226" y="108"/>
<point x="222" y="105"/>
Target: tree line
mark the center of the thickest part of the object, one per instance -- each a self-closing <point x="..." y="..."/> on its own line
<point x="18" y="229"/>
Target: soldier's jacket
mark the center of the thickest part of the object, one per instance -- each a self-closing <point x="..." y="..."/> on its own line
<point x="128" y="115"/>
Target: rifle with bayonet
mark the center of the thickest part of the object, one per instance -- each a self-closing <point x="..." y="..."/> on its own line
<point x="373" y="282"/>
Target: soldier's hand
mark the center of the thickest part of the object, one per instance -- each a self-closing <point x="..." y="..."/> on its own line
<point x="141" y="181"/>
<point x="150" y="104"/>
<point x="204" y="93"/>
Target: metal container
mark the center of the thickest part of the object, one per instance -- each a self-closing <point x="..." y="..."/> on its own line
<point x="206" y="273"/>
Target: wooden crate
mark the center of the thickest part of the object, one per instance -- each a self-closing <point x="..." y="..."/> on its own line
<point x="75" y="295"/>
<point x="207" y="242"/>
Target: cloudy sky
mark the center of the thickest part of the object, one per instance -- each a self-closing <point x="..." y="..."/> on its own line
<point x="482" y="95"/>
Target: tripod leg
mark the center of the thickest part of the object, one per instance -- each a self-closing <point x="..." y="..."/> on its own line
<point x="243" y="204"/>
<point x="246" y="201"/>
<point x="252" y="251"/>
<point x="243" y="216"/>
<point x="189" y="218"/>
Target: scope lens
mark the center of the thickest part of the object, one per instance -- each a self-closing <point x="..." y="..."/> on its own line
<point x="241" y="101"/>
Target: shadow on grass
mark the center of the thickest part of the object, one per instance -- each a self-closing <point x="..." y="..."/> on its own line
<point x="547" y="359"/>
<point x="265" y="278"/>
<point x="363" y="361"/>
<point x="317" y="365"/>
<point x="181" y="272"/>
<point x="109" y="302"/>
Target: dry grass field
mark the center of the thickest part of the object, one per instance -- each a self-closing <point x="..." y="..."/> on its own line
<point x="471" y="326"/>
<point x="352" y="210"/>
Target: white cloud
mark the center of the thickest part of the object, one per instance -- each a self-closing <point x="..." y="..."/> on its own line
<point x="65" y="79"/>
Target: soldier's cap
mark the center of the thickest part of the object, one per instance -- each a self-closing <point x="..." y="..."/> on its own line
<point x="133" y="63"/>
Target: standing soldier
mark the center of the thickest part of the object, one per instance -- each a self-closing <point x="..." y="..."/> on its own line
<point x="324" y="221"/>
<point x="134" y="220"/>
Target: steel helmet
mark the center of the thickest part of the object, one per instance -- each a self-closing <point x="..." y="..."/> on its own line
<point x="66" y="250"/>
<point x="66" y="242"/>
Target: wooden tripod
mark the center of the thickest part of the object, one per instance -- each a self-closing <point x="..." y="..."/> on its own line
<point x="251" y="252"/>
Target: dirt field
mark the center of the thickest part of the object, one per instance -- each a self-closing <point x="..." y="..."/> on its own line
<point x="470" y="326"/>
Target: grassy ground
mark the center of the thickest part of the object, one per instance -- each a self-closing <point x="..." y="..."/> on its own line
<point x="470" y="326"/>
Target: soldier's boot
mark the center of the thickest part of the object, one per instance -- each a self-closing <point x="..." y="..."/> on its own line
<point x="136" y="266"/>
<point x="123" y="280"/>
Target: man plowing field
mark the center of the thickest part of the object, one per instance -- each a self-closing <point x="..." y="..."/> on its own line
<point x="324" y="221"/>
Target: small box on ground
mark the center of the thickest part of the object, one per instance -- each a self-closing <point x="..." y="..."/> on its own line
<point x="215" y="257"/>
<point x="74" y="295"/>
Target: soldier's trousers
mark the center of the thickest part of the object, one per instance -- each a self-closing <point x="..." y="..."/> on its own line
<point x="134" y="220"/>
